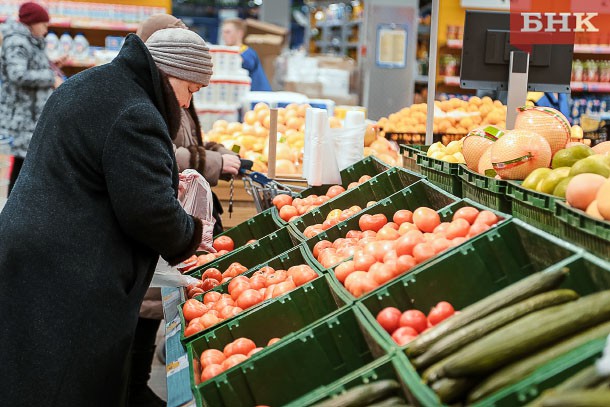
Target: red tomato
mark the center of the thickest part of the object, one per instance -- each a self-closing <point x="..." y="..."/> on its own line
<point x="346" y="214"/>
<point x="235" y="311"/>
<point x="251" y="241"/>
<point x="253" y="351"/>
<point x="226" y="312"/>
<point x="363" y="261"/>
<point x="194" y="291"/>
<point x="389" y="256"/>
<point x="352" y="185"/>
<point x="364" y="178"/>
<point x="414" y="319"/>
<point x="440" y="244"/>
<point x="212" y="273"/>
<point x="233" y="360"/>
<point x="458" y="228"/>
<point x="329" y="223"/>
<point x="225" y="280"/>
<point x="249" y="298"/>
<point x="281" y="200"/>
<point x="388" y="233"/>
<point x="237" y="280"/>
<point x="211" y="371"/>
<point x="360" y="282"/>
<point x="257" y="281"/>
<point x="211" y="296"/>
<point x="458" y="241"/>
<point x="402" y="216"/>
<point x="193" y="309"/>
<point x="321" y="245"/>
<point x="404" y="335"/>
<point x="343" y="270"/>
<point x="211" y="357"/>
<point x="209" y="283"/>
<point x="272" y="341"/>
<point x="388" y="318"/>
<point x="283" y="287"/>
<point x="406" y="243"/>
<point x="205" y="258"/>
<point x="223" y="243"/>
<point x="423" y="252"/>
<point x="242" y="346"/>
<point x="381" y="273"/>
<point x="196" y="284"/>
<point x="192" y="329"/>
<point x="221" y="303"/>
<point x="276" y="277"/>
<point x="334" y="191"/>
<point x="209" y="319"/>
<point x="426" y="219"/>
<point x="372" y="222"/>
<point x="405" y="263"/>
<point x="301" y="274"/>
<point x="440" y="312"/>
<point x="287" y="212"/>
<point x="487" y="217"/>
<point x="334" y="214"/>
<point x="234" y="269"/>
<point x="478" y="228"/>
<point x="239" y="288"/>
<point x="266" y="271"/>
<point x="467" y="213"/>
<point x="442" y="228"/>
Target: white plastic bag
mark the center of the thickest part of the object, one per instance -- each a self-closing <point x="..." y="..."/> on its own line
<point x="195" y="196"/>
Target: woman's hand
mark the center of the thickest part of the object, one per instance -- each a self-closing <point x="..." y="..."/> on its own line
<point x="230" y="164"/>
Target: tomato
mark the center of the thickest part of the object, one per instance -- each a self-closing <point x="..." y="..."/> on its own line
<point x="423" y="252"/>
<point x="404" y="335"/>
<point x="233" y="360"/>
<point x="239" y="288"/>
<point x="253" y="351"/>
<point x="266" y="270"/>
<point x="211" y="371"/>
<point x="257" y="282"/>
<point x="235" y="281"/>
<point x="192" y="329"/>
<point x="282" y="200"/>
<point x="440" y="244"/>
<point x="283" y="287"/>
<point x="442" y="228"/>
<point x="235" y="311"/>
<point x="406" y="227"/>
<point x="406" y="243"/>
<point x="392" y="225"/>
<point x="196" y="284"/>
<point x="388" y="233"/>
<point x="242" y="346"/>
<point x="205" y="259"/>
<point x="276" y="277"/>
<point x="381" y="273"/>
<point x="372" y="222"/>
<point x="487" y="217"/>
<point x="334" y="191"/>
<point x="467" y="213"/>
<point x="478" y="228"/>
<point x="370" y="203"/>
<point x="426" y="219"/>
<point x="402" y="216"/>
<point x="360" y="282"/>
<point x="211" y="296"/>
<point x="458" y="241"/>
<point x="414" y="319"/>
<point x="301" y="274"/>
<point x="322" y="199"/>
<point x="251" y="241"/>
<point x="405" y="263"/>
<point x="194" y="291"/>
<point x="334" y="214"/>
<point x="234" y="269"/>
<point x="211" y="357"/>
<point x="209" y="283"/>
<point x="346" y="214"/>
<point x="440" y="312"/>
<point x="311" y="231"/>
<point x="209" y="319"/>
<point x="364" y="178"/>
<point x="223" y="243"/>
<point x="193" y="309"/>
<point x="458" y="228"/>
<point x="287" y="212"/>
<point x="272" y="341"/>
<point x="212" y="273"/>
<point x="363" y="261"/>
<point x="322" y="244"/>
<point x="225" y="280"/>
<point x="223" y="302"/>
<point x="389" y="256"/>
<point x="329" y="223"/>
<point x="352" y="185"/>
<point x="388" y="319"/>
<point x="249" y="298"/>
<point x="343" y="270"/>
<point x="226" y="312"/>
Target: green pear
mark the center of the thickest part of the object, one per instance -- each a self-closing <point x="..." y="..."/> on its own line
<point x="532" y="180"/>
<point x="560" y="189"/>
<point x="548" y="184"/>
<point x="594" y="164"/>
<point x="568" y="156"/>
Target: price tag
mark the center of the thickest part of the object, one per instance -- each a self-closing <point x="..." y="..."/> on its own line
<point x="172" y="327"/>
<point x="177" y="365"/>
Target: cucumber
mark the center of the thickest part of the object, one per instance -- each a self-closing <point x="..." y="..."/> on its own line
<point x="522" y="289"/>
<point x="524" y="367"/>
<point x="448" y="344"/>
<point x="390" y="402"/>
<point x="528" y="334"/>
<point x="450" y="391"/>
<point x="586" y="378"/>
<point x="580" y="398"/>
<point x="363" y="395"/>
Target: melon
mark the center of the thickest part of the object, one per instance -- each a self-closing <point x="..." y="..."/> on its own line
<point x="476" y="142"/>
<point x="548" y="122"/>
<point x="485" y="161"/>
<point x="519" y="152"/>
<point x="602" y="148"/>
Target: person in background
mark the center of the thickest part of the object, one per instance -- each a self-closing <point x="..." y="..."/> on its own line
<point x="95" y="206"/>
<point x="26" y="78"/>
<point x="233" y="31"/>
<point x="211" y="160"/>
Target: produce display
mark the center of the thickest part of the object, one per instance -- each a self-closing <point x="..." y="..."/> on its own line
<point x="451" y="153"/>
<point x="377" y="394"/>
<point x="213" y="277"/>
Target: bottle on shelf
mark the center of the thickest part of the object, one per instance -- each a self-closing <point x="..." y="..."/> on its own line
<point x="65" y="44"/>
<point x="52" y="46"/>
<point x="80" y="47"/>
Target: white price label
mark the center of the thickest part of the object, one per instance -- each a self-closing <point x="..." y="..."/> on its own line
<point x="177" y="365"/>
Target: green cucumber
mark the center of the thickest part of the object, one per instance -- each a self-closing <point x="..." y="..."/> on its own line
<point x="390" y="402"/>
<point x="458" y="339"/>
<point x="363" y="395"/>
<point x="524" y="367"/>
<point x="528" y="334"/>
<point x="580" y="398"/>
<point x="584" y="379"/>
<point x="450" y="391"/>
<point x="522" y="289"/>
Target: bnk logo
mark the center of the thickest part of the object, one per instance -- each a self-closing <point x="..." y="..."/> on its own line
<point x="558" y="22"/>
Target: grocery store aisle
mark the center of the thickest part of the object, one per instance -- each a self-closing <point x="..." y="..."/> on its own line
<point x="157" y="380"/>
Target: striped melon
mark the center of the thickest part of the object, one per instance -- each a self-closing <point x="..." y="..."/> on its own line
<point x="476" y="142"/>
<point x="547" y="122"/>
<point x="519" y="152"/>
<point x="485" y="161"/>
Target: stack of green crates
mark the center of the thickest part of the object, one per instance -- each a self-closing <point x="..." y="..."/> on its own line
<point x="409" y="154"/>
<point x="441" y="173"/>
<point x="583" y="230"/>
<point x="488" y="191"/>
<point x="535" y="208"/>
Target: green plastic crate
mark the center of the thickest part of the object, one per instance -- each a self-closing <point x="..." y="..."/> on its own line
<point x="250" y="255"/>
<point x="276" y="319"/>
<point x="581" y="229"/>
<point x="533" y="207"/>
<point x="421" y="193"/>
<point x="409" y="155"/>
<point x="487" y="191"/>
<point x="386" y="368"/>
<point x="256" y="227"/>
<point x="376" y="189"/>
<point x="320" y="354"/>
<point x="293" y="257"/>
<point x="441" y="173"/>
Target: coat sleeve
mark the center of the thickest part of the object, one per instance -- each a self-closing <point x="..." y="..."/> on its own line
<point x="213" y="166"/>
<point x="17" y="69"/>
<point x="138" y="163"/>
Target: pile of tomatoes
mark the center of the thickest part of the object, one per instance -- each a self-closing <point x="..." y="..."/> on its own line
<point x="214" y="362"/>
<point x="405" y="326"/>
<point x="222" y="245"/>
<point x="383" y="250"/>
<point x="291" y="209"/>
<point x="243" y="293"/>
<point x="213" y="277"/>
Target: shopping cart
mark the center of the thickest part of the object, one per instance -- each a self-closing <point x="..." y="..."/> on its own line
<point x="263" y="189"/>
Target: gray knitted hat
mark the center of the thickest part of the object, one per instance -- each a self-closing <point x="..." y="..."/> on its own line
<point x="182" y="54"/>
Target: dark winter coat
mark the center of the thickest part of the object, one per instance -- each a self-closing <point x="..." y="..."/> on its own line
<point x="81" y="233"/>
<point x="27" y="81"/>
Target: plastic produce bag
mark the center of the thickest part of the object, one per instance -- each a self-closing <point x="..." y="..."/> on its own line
<point x="349" y="140"/>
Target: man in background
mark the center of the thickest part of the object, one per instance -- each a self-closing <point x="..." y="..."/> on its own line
<point x="233" y="31"/>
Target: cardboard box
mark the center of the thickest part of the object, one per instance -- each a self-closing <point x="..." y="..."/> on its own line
<point x="310" y="89"/>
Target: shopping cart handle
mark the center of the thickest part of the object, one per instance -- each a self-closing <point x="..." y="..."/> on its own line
<point x="258" y="177"/>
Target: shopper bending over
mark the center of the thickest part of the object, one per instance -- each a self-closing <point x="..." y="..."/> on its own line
<point x="94" y="207"/>
<point x="26" y="80"/>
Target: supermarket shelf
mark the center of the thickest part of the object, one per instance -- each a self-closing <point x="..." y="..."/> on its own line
<point x="601" y="87"/>
<point x="451" y="80"/>
<point x="455" y="44"/>
<point x="89" y="24"/>
<point x="338" y="24"/>
<point x="421" y="79"/>
<point x="591" y="49"/>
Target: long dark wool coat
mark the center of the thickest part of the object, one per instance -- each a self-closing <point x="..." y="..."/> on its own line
<point x="94" y="206"/>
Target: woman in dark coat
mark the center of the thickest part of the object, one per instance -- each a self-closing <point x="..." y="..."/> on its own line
<point x="94" y="207"/>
